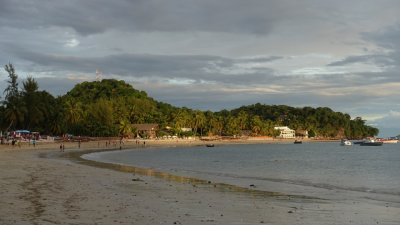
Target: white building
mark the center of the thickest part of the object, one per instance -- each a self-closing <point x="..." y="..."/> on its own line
<point x="286" y="132"/>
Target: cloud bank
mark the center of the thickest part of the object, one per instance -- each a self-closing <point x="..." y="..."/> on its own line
<point x="216" y="54"/>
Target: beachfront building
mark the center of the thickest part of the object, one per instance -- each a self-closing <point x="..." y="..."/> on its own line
<point x="285" y="132"/>
<point x="147" y="130"/>
<point x="302" y="133"/>
<point x="186" y="129"/>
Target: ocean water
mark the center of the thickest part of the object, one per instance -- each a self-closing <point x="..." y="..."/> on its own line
<point x="323" y="170"/>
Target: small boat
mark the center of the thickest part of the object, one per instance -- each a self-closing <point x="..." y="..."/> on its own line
<point x="298" y="141"/>
<point x="209" y="145"/>
<point x="358" y="142"/>
<point x="345" y="142"/>
<point x="371" y="142"/>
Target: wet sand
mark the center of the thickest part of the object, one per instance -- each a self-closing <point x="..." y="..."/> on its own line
<point x="45" y="186"/>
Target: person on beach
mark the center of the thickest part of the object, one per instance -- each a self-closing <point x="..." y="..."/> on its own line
<point x="61" y="147"/>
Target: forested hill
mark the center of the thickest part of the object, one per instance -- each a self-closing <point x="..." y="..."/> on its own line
<point x="109" y="107"/>
<point x="321" y="121"/>
<point x="87" y="92"/>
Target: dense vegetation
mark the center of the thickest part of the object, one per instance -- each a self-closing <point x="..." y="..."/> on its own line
<point x="109" y="107"/>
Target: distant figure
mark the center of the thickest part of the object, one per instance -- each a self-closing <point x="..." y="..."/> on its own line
<point x="144" y="143"/>
<point x="79" y="144"/>
<point x="61" y="147"/>
<point x="34" y="143"/>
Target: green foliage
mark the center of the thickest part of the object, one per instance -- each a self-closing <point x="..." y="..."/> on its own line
<point x="109" y="107"/>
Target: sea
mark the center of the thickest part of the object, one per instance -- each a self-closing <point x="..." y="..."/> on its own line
<point x="323" y="170"/>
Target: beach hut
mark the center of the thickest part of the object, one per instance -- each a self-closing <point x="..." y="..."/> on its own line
<point x="148" y="130"/>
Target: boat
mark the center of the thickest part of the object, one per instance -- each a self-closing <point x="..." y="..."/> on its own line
<point x="209" y="145"/>
<point x="371" y="142"/>
<point x="298" y="141"/>
<point x="345" y="142"/>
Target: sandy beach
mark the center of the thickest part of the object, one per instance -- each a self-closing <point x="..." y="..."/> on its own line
<point x="41" y="185"/>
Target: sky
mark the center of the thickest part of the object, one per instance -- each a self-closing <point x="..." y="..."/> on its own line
<point x="214" y="55"/>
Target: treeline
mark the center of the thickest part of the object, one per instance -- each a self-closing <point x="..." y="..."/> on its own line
<point x="109" y="107"/>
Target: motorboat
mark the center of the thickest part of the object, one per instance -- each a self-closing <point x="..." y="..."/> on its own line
<point x="298" y="142"/>
<point x="345" y="142"/>
<point x="371" y="142"/>
<point x="209" y="145"/>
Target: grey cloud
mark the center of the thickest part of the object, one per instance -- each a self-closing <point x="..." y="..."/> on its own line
<point x="198" y="68"/>
<point x="57" y="86"/>
<point x="236" y="16"/>
<point x="377" y="59"/>
<point x="88" y="17"/>
<point x="388" y="38"/>
<point x="260" y="59"/>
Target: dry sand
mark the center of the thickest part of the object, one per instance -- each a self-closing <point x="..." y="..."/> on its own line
<point x="41" y="186"/>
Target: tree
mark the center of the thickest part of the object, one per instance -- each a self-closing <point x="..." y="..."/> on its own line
<point x="73" y="112"/>
<point x="256" y="125"/>
<point x="11" y="90"/>
<point x="35" y="109"/>
<point x="125" y="128"/>
<point x="199" y="121"/>
<point x="14" y="106"/>
<point x="242" y="118"/>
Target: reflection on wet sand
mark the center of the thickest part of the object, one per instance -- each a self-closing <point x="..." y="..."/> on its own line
<point x="76" y="156"/>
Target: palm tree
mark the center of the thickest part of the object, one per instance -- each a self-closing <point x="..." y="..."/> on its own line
<point x="199" y="121"/>
<point x="217" y="124"/>
<point x="256" y="124"/>
<point x="73" y="112"/>
<point x="242" y="118"/>
<point x="181" y="119"/>
<point x="125" y="128"/>
<point x="14" y="113"/>
<point x="35" y="110"/>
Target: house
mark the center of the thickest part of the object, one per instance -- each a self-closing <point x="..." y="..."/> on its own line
<point x="147" y="130"/>
<point x="302" y="133"/>
<point x="285" y="132"/>
<point x="186" y="129"/>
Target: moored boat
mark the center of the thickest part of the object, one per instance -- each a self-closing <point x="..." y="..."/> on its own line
<point x="298" y="141"/>
<point x="345" y="142"/>
<point x="210" y="145"/>
<point x="371" y="142"/>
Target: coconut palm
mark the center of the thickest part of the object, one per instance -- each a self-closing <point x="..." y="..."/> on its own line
<point x="35" y="109"/>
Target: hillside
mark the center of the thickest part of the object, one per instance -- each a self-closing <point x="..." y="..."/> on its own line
<point x="109" y="107"/>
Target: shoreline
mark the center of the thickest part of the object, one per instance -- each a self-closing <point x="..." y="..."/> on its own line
<point x="36" y="189"/>
<point x="131" y="143"/>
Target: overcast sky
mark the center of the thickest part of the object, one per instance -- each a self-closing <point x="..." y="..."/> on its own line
<point x="213" y="55"/>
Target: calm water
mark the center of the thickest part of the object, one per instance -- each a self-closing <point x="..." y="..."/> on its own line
<point x="325" y="170"/>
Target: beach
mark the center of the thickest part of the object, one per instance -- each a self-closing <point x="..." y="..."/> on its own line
<point x="41" y="185"/>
